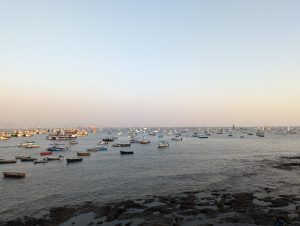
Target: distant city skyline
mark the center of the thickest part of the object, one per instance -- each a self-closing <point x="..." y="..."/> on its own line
<point x="149" y="63"/>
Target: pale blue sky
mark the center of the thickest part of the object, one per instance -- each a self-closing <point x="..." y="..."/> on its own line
<point x="128" y="63"/>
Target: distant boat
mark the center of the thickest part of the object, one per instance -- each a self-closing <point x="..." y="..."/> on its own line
<point x="126" y="152"/>
<point x="242" y="136"/>
<point x="177" y="138"/>
<point x="23" y="144"/>
<point x="22" y="156"/>
<point x="31" y="146"/>
<point x="58" y="147"/>
<point x="97" y="149"/>
<point x="40" y="161"/>
<point x="54" y="158"/>
<point x="202" y="137"/>
<point x="27" y="159"/>
<point x="83" y="153"/>
<point x="13" y="174"/>
<point x="134" y="140"/>
<point x="3" y="161"/>
<point x="145" y="141"/>
<point x="70" y="160"/>
<point x="163" y="145"/>
<point x="46" y="153"/>
<point x="121" y="145"/>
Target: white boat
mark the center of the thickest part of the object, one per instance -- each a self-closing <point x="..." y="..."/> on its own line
<point x="40" y="161"/>
<point x="163" y="145"/>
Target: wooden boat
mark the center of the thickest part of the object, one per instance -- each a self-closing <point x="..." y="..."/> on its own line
<point x="46" y="153"/>
<point x="70" y="160"/>
<point x="3" y="161"/>
<point x="145" y="141"/>
<point x="53" y="158"/>
<point x="22" y="156"/>
<point x="27" y="159"/>
<point x="83" y="153"/>
<point x="126" y="152"/>
<point x="40" y="161"/>
<point x="13" y="174"/>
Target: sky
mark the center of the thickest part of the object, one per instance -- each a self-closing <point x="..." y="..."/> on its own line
<point x="149" y="63"/>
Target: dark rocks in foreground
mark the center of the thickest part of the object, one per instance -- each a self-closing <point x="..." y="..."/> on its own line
<point x="214" y="208"/>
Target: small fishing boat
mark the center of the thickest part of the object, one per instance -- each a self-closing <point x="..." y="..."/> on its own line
<point x="97" y="149"/>
<point x="58" y="147"/>
<point x="145" y="141"/>
<point x="22" y="156"/>
<point x="40" y="161"/>
<point x="121" y="145"/>
<point x="27" y="159"/>
<point x="70" y="160"/>
<point x="13" y="174"/>
<point x="134" y="140"/>
<point x="83" y="153"/>
<point x="3" y="161"/>
<point x="163" y="145"/>
<point x="31" y="146"/>
<point x="102" y="149"/>
<point x="23" y="144"/>
<point x="108" y="139"/>
<point x="126" y="152"/>
<point x="202" y="137"/>
<point x="46" y="153"/>
<point x="54" y="158"/>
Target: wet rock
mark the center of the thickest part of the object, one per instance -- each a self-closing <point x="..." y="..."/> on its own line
<point x="113" y="213"/>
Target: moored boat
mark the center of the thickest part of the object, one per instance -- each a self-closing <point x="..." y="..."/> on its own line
<point x="31" y="146"/>
<point x="14" y="174"/>
<point x="121" y="145"/>
<point x="46" y="153"/>
<point x="40" y="161"/>
<point x="58" y="147"/>
<point x="69" y="160"/>
<point x="145" y="141"/>
<point x="3" y="161"/>
<point x="27" y="159"/>
<point x="163" y="145"/>
<point x="83" y="153"/>
<point x="23" y="144"/>
<point x="97" y="149"/>
<point x="54" y="158"/>
<point x="22" y="156"/>
<point x="126" y="152"/>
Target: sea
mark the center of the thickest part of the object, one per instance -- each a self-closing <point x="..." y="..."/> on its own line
<point x="219" y="162"/>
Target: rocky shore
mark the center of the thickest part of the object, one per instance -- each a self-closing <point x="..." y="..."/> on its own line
<point x="190" y="208"/>
<point x="203" y="208"/>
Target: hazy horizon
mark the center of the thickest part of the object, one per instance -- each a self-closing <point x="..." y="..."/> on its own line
<point x="149" y="63"/>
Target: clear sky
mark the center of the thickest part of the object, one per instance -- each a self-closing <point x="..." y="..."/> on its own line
<point x="149" y="62"/>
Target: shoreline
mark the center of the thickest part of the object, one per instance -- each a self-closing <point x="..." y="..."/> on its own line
<point x="217" y="207"/>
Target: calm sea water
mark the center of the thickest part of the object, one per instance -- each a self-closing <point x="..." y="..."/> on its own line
<point x="192" y="164"/>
